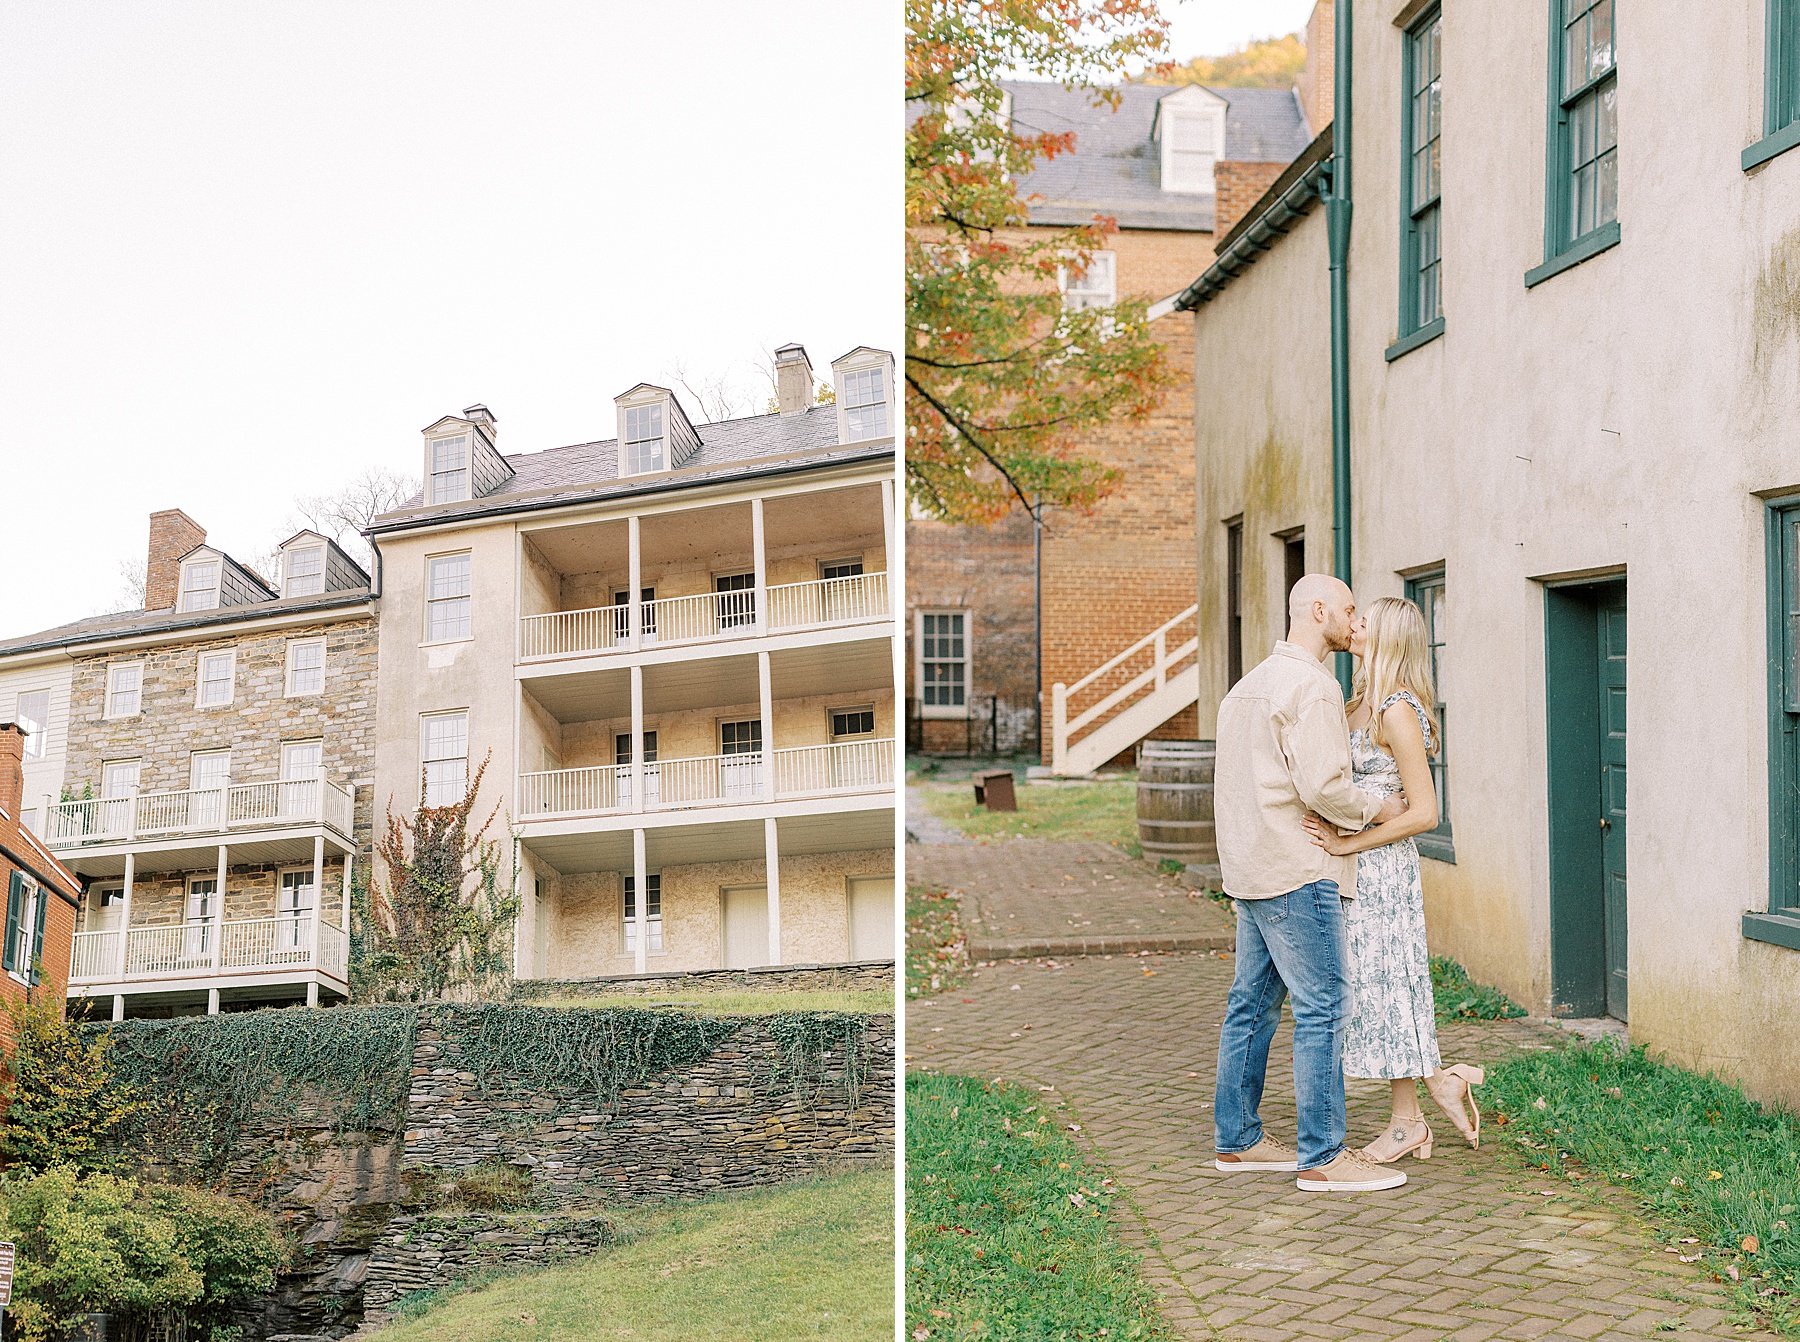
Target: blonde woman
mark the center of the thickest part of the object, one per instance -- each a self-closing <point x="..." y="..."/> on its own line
<point x="1392" y="1033"/>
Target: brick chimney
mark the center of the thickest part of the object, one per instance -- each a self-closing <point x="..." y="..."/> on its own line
<point x="172" y="534"/>
<point x="793" y="379"/>
<point x="12" y="768"/>
<point x="1318" y="80"/>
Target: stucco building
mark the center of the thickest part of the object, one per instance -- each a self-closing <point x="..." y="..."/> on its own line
<point x="674" y="651"/>
<point x="1571" y="403"/>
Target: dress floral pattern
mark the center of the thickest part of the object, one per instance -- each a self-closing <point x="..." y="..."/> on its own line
<point x="1392" y="1030"/>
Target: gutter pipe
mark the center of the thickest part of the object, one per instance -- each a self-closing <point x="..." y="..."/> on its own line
<point x="1337" y="223"/>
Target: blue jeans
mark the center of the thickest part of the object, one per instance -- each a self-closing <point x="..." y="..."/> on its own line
<point x="1291" y="946"/>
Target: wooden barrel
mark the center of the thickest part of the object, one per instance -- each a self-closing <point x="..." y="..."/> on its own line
<point x="1175" y="801"/>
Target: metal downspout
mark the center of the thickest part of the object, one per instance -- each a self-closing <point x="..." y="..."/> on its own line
<point x="1337" y="223"/>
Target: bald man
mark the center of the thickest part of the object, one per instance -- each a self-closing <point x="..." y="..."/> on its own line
<point x="1284" y="750"/>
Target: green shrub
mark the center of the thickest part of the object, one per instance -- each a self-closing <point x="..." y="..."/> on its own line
<point x="95" y="1242"/>
<point x="1457" y="996"/>
<point x="494" y="1187"/>
<point x="65" y="1102"/>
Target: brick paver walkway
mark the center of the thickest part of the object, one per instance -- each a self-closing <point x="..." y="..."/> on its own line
<point x="1465" y="1250"/>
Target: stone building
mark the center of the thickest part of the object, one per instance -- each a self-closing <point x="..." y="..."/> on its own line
<point x="1172" y="166"/>
<point x="42" y="895"/>
<point x="672" y="649"/>
<point x="203" y="766"/>
<point x="1570" y="404"/>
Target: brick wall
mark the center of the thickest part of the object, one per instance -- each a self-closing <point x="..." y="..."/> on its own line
<point x="59" y="914"/>
<point x="1239" y="186"/>
<point x="1318" y="81"/>
<point x="172" y="534"/>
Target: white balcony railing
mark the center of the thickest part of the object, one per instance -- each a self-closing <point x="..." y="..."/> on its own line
<point x="201" y="949"/>
<point x="722" y="780"/>
<point x="293" y="801"/>
<point x="708" y="615"/>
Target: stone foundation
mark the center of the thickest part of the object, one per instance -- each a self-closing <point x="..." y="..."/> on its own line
<point x="422" y="1253"/>
<point x="859" y="974"/>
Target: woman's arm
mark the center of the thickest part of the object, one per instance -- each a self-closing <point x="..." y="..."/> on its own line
<point x="1406" y="739"/>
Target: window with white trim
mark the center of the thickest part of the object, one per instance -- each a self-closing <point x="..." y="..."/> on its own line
<point x="943" y="659"/>
<point x="652" y="913"/>
<point x="306" y="666"/>
<point x="302" y="759"/>
<point x="124" y="689"/>
<point x="1098" y="288"/>
<point x="444" y="754"/>
<point x="200" y="584"/>
<point x="33" y="714"/>
<point x="293" y="909"/>
<point x="643" y="438"/>
<point x="847" y="724"/>
<point x="303" y="571"/>
<point x="119" y="778"/>
<point x="865" y="405"/>
<point x="24" y="927"/>
<point x="447" y="598"/>
<point x="449" y="481"/>
<point x="218" y="676"/>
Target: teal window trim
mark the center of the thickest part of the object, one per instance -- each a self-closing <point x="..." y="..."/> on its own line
<point x="1421" y="588"/>
<point x="1781" y="550"/>
<point x="1563" y="243"/>
<point x="1600" y="240"/>
<point x="1421" y="216"/>
<point x="1771" y="145"/>
<point x="1781" y="84"/>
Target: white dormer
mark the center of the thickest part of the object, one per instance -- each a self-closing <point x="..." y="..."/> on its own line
<point x="863" y="381"/>
<point x="655" y="434"/>
<point x="303" y="565"/>
<point x="201" y="571"/>
<point x="461" y="460"/>
<point x="1189" y="131"/>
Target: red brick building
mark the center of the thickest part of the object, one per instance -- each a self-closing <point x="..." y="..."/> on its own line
<point x="1175" y="167"/>
<point x="42" y="895"/>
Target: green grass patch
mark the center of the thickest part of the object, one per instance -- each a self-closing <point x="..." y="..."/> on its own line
<point x="1103" y="811"/>
<point x="809" y="1259"/>
<point x="1007" y="1234"/>
<point x="1707" y="1164"/>
<point x="1459" y="997"/>
<point x="742" y="1001"/>
<point x="937" y="956"/>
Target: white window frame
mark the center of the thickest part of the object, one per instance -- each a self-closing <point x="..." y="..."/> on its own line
<point x="865" y="707"/>
<point x="1098" y="288"/>
<point x="295" y="938"/>
<point x="440" y="483"/>
<point x="112" y="690"/>
<point x="294" y="645"/>
<point x="881" y="425"/>
<point x="317" y="742"/>
<point x="186" y="589"/>
<point x="426" y="759"/>
<point x="37" y="739"/>
<point x="631" y="460"/>
<point x="288" y="576"/>
<point x="230" y="678"/>
<point x="469" y="596"/>
<point x="953" y="711"/>
<point x="653" y="922"/>
<point x="30" y="892"/>
<point x="1190" y="132"/>
<point x="137" y="776"/>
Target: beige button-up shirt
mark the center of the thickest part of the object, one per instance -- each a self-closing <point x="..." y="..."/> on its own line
<point x="1284" y="750"/>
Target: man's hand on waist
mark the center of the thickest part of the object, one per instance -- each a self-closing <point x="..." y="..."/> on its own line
<point x="1391" y="809"/>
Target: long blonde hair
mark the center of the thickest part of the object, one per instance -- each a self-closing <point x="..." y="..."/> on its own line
<point x="1398" y="657"/>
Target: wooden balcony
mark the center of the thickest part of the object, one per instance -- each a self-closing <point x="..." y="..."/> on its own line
<point x="236" y="809"/>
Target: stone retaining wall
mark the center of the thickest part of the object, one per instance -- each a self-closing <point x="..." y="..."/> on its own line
<point x="863" y="974"/>
<point x="422" y="1253"/>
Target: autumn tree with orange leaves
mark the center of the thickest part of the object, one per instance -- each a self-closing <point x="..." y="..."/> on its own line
<point x="1001" y="380"/>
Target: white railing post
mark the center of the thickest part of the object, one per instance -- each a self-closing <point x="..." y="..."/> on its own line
<point x="1162" y="657"/>
<point x="125" y="914"/>
<point x="634" y="603"/>
<point x="1059" y="724"/>
<point x="766" y="693"/>
<point x="762" y="622"/>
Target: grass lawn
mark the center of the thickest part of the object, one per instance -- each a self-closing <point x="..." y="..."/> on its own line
<point x="742" y="1001"/>
<point x="809" y="1259"/>
<point x="1007" y="1235"/>
<point x="937" y="957"/>
<point x="1456" y="995"/>
<point x="1717" y="1174"/>
<point x="1103" y="811"/>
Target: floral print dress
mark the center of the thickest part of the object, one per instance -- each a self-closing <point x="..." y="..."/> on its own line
<point x="1392" y="1030"/>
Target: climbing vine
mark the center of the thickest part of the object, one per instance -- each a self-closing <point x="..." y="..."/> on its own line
<point x="807" y="1039"/>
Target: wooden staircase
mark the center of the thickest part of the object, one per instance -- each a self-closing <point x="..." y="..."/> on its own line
<point x="1116" y="705"/>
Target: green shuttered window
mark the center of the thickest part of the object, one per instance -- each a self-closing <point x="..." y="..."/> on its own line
<point x="1421" y="182"/>
<point x="1781" y="90"/>
<point x="1781" y="924"/>
<point x="1581" y="175"/>
<point x="1427" y="592"/>
<point x="23" y="952"/>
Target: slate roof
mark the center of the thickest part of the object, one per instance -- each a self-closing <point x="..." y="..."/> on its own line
<point x="123" y="624"/>
<point x="582" y="472"/>
<point x="1114" y="167"/>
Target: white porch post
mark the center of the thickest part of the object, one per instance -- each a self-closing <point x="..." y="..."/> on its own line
<point x="118" y="1006"/>
<point x="887" y="529"/>
<point x="349" y="858"/>
<point x="218" y="929"/>
<point x="758" y="550"/>
<point x="640" y="877"/>
<point x="637" y="738"/>
<point x="212" y="1001"/>
<point x="772" y="864"/>
<point x="767" y="693"/>
<point x="125" y="922"/>
<point x="635" y="575"/>
<point x="318" y="906"/>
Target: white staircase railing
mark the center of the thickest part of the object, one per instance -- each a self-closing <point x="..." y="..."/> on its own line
<point x="1117" y="704"/>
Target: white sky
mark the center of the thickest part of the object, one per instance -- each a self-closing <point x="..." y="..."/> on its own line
<point x="1214" y="27"/>
<point x="249" y="250"/>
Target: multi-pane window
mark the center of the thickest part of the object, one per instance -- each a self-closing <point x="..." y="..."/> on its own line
<point x="1784" y="720"/>
<point x="33" y="713"/>
<point x="1097" y="288"/>
<point x="302" y="759"/>
<point x="203" y="904"/>
<point x="622" y="613"/>
<point x="847" y="723"/>
<point x="294" y="908"/>
<point x="447" y="598"/>
<point x="445" y="757"/>
<point x="200" y="585"/>
<point x="450" y="469"/>
<point x="1781" y="93"/>
<point x="306" y="666"/>
<point x="652" y="913"/>
<point x="943" y="659"/>
<point x="1422" y="301"/>
<point x="737" y="599"/>
<point x="841" y="568"/>
<point x="865" y="405"/>
<point x="24" y="927"/>
<point x="124" y="689"/>
<point x="1427" y="592"/>
<point x="119" y="778"/>
<point x="1585" y="67"/>
<point x="741" y="738"/>
<point x="217" y="672"/>
<point x="643" y="439"/>
<point x="740" y="776"/>
<point x="303" y="571"/>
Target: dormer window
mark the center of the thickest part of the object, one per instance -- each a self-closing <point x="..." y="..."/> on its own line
<point x="643" y="439"/>
<point x="655" y="434"/>
<point x="1190" y="130"/>
<point x="200" y="584"/>
<point x="303" y="572"/>
<point x="865" y="405"/>
<point x="450" y="469"/>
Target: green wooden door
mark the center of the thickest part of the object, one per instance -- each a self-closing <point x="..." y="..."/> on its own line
<point x="1611" y="639"/>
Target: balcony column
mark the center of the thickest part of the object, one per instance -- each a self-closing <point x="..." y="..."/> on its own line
<point x="772" y="879"/>
<point x="887" y="525"/>
<point x="318" y="908"/>
<point x="218" y="930"/>
<point x="637" y="738"/>
<point x="640" y="878"/>
<point x="344" y="915"/>
<point x="767" y="692"/>
<point x="125" y="921"/>
<point x="118" y="1006"/>
<point x="634" y="570"/>
<point x="212" y="1001"/>
<point x="758" y="549"/>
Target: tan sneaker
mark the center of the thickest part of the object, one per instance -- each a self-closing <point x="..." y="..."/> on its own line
<point x="1349" y="1173"/>
<point x="1265" y="1155"/>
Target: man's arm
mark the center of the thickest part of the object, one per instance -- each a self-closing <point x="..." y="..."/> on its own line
<point x="1319" y="761"/>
